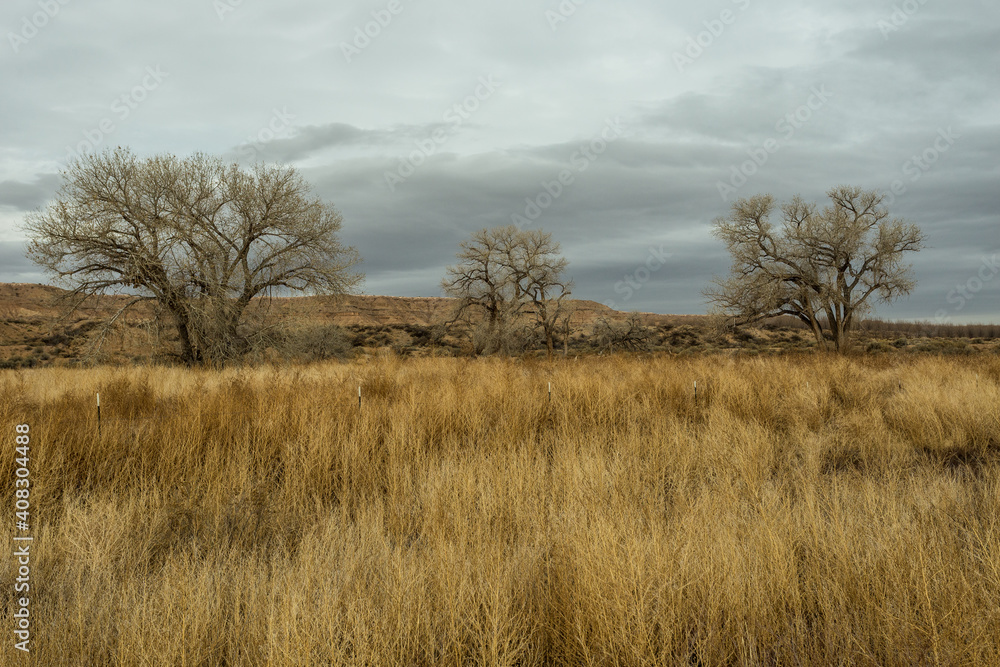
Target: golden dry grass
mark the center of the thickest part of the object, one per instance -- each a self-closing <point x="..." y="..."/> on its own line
<point x="807" y="510"/>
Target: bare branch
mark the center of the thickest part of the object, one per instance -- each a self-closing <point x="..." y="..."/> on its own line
<point x="824" y="267"/>
<point x="201" y="237"/>
<point x="506" y="274"/>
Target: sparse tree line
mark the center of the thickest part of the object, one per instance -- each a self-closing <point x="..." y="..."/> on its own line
<point x="202" y="240"/>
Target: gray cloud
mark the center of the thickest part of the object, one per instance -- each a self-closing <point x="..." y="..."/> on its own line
<point x="21" y="196"/>
<point x="16" y="268"/>
<point x="683" y="132"/>
<point x="311" y="140"/>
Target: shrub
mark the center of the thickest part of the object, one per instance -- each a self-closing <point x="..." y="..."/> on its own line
<point x="316" y="342"/>
<point x="628" y="335"/>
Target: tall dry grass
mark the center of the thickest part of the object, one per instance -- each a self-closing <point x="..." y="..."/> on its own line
<point x="807" y="510"/>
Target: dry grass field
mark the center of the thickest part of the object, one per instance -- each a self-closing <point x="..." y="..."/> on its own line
<point x="806" y="510"/>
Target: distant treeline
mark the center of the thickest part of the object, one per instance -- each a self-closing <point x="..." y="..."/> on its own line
<point x="911" y="329"/>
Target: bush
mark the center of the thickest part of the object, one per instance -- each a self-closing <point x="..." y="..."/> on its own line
<point x="957" y="347"/>
<point x="57" y="338"/>
<point x="402" y="341"/>
<point x="488" y="339"/>
<point x="316" y="342"/>
<point x="628" y="335"/>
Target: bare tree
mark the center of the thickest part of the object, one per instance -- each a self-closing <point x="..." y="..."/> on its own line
<point x="538" y="270"/>
<point x="825" y="267"/>
<point x="199" y="237"/>
<point x="507" y="274"/>
<point x="481" y="280"/>
<point x="630" y="334"/>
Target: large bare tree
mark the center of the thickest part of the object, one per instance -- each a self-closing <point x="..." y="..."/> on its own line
<point x="199" y="237"/>
<point x="826" y="267"/>
<point x="507" y="274"/>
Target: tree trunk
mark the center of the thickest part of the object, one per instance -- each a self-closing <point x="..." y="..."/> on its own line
<point x="817" y="330"/>
<point x="182" y="320"/>
<point x="188" y="352"/>
<point x="839" y="335"/>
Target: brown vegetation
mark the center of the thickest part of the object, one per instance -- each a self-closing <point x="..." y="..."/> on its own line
<point x="34" y="332"/>
<point x="805" y="510"/>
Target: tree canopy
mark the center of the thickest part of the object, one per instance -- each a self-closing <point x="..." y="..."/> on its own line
<point x="199" y="237"/>
<point x="825" y="267"/>
<point x="506" y="273"/>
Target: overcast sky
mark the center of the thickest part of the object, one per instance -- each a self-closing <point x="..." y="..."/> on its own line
<point x="423" y="121"/>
